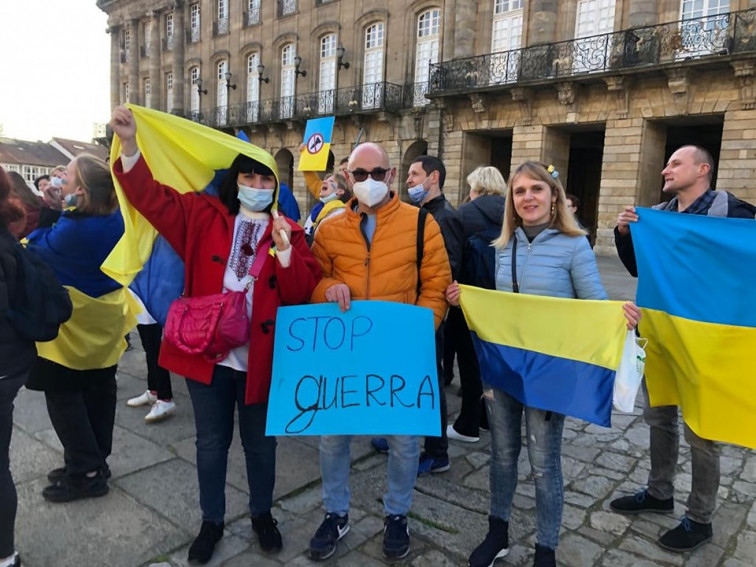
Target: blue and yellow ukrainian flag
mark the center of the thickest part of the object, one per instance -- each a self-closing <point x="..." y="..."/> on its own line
<point x="317" y="141"/>
<point x="550" y="353"/>
<point x="182" y="154"/>
<point x="697" y="290"/>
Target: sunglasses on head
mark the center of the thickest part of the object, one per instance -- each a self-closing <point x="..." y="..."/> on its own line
<point x="379" y="174"/>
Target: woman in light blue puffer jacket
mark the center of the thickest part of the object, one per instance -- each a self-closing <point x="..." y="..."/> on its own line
<point x="552" y="258"/>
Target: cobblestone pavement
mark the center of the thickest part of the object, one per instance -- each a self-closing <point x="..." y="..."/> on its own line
<point x="152" y="511"/>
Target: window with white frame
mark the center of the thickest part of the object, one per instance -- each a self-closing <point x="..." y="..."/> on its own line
<point x="288" y="79"/>
<point x="426" y="51"/>
<point x="194" y="102"/>
<point x="147" y="93"/>
<point x="194" y="22"/>
<point x="372" y="74"/>
<point x="126" y="97"/>
<point x="126" y="43"/>
<point x="506" y="38"/>
<point x="221" y="92"/>
<point x="222" y="25"/>
<point x="169" y="92"/>
<point x="253" y="12"/>
<point x="705" y="27"/>
<point x="593" y="18"/>
<point x="253" y="88"/>
<point x="169" y="31"/>
<point x="327" y="78"/>
<point x="146" y="26"/>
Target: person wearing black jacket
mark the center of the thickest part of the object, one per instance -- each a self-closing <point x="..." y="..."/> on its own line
<point x="16" y="357"/>
<point x="687" y="176"/>
<point x="482" y="218"/>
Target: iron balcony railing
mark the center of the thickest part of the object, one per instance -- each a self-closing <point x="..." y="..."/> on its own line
<point x="252" y="17"/>
<point x="361" y="99"/>
<point x="193" y="35"/>
<point x="683" y="40"/>
<point x="168" y="43"/>
<point x="220" y="27"/>
<point x="286" y="7"/>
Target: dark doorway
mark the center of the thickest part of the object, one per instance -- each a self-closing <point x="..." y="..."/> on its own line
<point x="501" y="155"/>
<point x="584" y="178"/>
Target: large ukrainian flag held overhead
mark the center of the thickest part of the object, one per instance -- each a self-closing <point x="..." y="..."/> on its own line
<point x="182" y="154"/>
<point x="549" y="353"/>
<point x="697" y="288"/>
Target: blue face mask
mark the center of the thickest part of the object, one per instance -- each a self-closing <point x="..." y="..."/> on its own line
<point x="418" y="193"/>
<point x="70" y="200"/>
<point x="254" y="199"/>
<point x="329" y="198"/>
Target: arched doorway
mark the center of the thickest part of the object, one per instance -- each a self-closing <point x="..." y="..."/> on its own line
<point x="285" y="163"/>
<point x="416" y="149"/>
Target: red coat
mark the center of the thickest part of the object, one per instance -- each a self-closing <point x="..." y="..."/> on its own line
<point x="200" y="230"/>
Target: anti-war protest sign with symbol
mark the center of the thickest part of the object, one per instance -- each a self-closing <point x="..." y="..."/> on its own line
<point x="370" y="370"/>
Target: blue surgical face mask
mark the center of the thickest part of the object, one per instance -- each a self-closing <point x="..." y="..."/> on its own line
<point x="56" y="182"/>
<point x="329" y="198"/>
<point x="254" y="199"/>
<point x="70" y="200"/>
<point x="418" y="193"/>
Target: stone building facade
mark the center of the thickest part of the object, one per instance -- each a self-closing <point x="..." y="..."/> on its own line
<point x="605" y="90"/>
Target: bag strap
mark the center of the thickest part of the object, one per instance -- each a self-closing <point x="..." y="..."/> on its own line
<point x="421" y="216"/>
<point x="262" y="251"/>
<point x="515" y="283"/>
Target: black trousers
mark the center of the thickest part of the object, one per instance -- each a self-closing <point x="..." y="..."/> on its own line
<point x="437" y="447"/>
<point x="83" y="417"/>
<point x="472" y="413"/>
<point x="158" y="378"/>
<point x="9" y="386"/>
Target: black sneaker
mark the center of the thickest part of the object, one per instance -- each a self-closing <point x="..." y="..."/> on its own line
<point x="331" y="530"/>
<point x="641" y="503"/>
<point x="688" y="536"/>
<point x="495" y="546"/>
<point x="59" y="474"/>
<point x="396" y="541"/>
<point x="70" y="488"/>
<point x="267" y="532"/>
<point x="203" y="545"/>
<point x="544" y="557"/>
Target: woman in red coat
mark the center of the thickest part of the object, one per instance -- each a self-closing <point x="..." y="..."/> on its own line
<point x="218" y="238"/>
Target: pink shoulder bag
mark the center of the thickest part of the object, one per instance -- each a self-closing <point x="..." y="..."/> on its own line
<point x="212" y="325"/>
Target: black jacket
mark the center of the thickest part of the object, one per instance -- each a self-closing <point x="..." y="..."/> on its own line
<point x="16" y="353"/>
<point x="450" y="222"/>
<point x="735" y="209"/>
<point x="484" y="213"/>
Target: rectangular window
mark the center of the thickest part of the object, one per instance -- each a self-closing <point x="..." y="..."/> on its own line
<point x="169" y="92"/>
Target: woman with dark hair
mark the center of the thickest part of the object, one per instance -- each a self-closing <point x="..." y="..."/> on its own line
<point x="16" y="357"/>
<point x="77" y="370"/>
<point x="222" y="241"/>
<point x="31" y="203"/>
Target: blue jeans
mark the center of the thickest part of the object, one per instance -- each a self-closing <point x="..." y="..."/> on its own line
<point x="544" y="452"/>
<point x="9" y="387"/>
<point x="214" y="406"/>
<point x="404" y="453"/>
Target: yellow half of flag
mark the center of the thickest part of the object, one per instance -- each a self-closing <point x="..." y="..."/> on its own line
<point x="182" y="154"/>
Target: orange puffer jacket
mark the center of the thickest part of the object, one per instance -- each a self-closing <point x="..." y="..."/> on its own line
<point x="387" y="270"/>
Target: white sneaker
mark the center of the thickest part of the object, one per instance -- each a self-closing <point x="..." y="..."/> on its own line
<point x="160" y="411"/>
<point x="143" y="400"/>
<point x="452" y="433"/>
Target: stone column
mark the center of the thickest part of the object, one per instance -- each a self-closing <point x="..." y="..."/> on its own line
<point x="179" y="45"/>
<point x="115" y="65"/>
<point x="737" y="157"/>
<point x="134" y="95"/>
<point x="641" y="13"/>
<point x="543" y="22"/>
<point x="465" y="28"/>
<point x="154" y="55"/>
<point x="450" y="13"/>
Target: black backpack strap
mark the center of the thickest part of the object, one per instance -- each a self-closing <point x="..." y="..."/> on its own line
<point x="515" y="283"/>
<point x="421" y="216"/>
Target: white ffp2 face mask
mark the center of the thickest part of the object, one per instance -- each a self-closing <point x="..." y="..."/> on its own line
<point x="370" y="192"/>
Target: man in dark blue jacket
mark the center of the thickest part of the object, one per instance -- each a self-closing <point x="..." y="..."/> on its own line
<point x="687" y="176"/>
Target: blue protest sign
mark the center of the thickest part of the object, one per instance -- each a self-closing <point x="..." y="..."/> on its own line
<point x="371" y="370"/>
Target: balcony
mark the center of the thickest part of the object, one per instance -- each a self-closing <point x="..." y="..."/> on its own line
<point x="252" y="17"/>
<point x="366" y="99"/>
<point x="220" y="27"/>
<point x="168" y="43"/>
<point x="193" y="35"/>
<point x="287" y="7"/>
<point x="636" y="49"/>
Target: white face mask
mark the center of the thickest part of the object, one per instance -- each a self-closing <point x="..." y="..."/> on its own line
<point x="370" y="192"/>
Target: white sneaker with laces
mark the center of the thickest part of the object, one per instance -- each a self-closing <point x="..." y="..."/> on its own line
<point x="142" y="400"/>
<point x="160" y="410"/>
<point x="452" y="433"/>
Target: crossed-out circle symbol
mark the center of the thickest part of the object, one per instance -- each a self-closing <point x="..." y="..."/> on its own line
<point x="315" y="143"/>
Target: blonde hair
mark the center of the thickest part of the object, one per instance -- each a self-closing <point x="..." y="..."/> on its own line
<point x="93" y="175"/>
<point x="487" y="180"/>
<point x="561" y="218"/>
